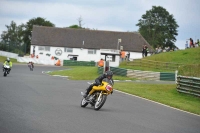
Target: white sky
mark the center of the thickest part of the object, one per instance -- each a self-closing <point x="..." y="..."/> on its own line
<point x="114" y="15"/>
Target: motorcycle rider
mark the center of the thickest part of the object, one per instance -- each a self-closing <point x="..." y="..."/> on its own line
<point x="31" y="64"/>
<point x="9" y="63"/>
<point x="98" y="81"/>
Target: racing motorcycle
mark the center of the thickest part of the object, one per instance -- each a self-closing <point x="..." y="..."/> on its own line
<point x="30" y="66"/>
<point x="98" y="95"/>
<point x="6" y="70"/>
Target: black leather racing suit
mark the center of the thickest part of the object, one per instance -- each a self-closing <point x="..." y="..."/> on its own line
<point x="97" y="82"/>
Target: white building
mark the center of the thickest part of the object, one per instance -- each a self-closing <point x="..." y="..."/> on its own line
<point x="84" y="45"/>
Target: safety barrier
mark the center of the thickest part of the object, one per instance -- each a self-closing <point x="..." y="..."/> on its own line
<point x="78" y="63"/>
<point x="190" y="85"/>
<point x="143" y="75"/>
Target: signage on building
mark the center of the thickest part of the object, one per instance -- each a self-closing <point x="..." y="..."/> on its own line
<point x="58" y="52"/>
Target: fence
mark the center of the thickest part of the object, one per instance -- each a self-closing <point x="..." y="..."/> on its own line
<point x="143" y="75"/>
<point x="78" y="63"/>
<point x="190" y="85"/>
<point x="154" y="64"/>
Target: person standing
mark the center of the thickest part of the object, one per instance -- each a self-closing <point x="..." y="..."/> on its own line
<point x="146" y="51"/>
<point x="101" y="63"/>
<point x="143" y="51"/>
<point x="186" y="45"/>
<point x="191" y="43"/>
<point x="197" y="43"/>
<point x="128" y="56"/>
<point x="122" y="53"/>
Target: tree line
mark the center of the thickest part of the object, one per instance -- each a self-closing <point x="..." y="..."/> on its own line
<point x="157" y="26"/>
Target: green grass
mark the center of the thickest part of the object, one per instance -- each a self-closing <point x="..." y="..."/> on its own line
<point x="162" y="93"/>
<point x="123" y="65"/>
<point x="2" y="59"/>
<point x="83" y="73"/>
<point x="190" y="58"/>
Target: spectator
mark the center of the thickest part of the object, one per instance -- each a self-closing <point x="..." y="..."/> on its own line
<point x="197" y="43"/>
<point x="191" y="43"/>
<point x="143" y="51"/>
<point x="101" y="63"/>
<point x="159" y="50"/>
<point x="146" y="50"/>
<point x="186" y="45"/>
<point x="122" y="53"/>
<point x="128" y="56"/>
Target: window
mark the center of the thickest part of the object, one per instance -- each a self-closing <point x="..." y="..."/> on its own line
<point x="44" y="48"/>
<point x="91" y="51"/>
<point x="69" y="50"/>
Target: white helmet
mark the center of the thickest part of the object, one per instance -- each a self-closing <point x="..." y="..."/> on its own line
<point x="8" y="59"/>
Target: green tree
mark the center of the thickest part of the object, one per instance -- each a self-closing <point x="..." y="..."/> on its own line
<point x="158" y="27"/>
<point x="29" y="26"/>
<point x="12" y="38"/>
<point x="75" y="27"/>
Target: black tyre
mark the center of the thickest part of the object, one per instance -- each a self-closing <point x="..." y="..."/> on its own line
<point x="100" y="103"/>
<point x="83" y="103"/>
<point x="5" y="74"/>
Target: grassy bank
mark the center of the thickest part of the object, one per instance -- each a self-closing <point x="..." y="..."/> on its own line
<point x="189" y="58"/>
<point x="2" y="59"/>
<point x="162" y="93"/>
<point x="165" y="94"/>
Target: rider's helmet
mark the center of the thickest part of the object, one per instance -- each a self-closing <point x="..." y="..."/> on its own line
<point x="8" y="59"/>
<point x="109" y="74"/>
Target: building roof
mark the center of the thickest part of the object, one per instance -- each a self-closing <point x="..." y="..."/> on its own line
<point x="88" y="39"/>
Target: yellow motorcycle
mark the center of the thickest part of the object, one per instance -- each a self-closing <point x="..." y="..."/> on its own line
<point x="98" y="95"/>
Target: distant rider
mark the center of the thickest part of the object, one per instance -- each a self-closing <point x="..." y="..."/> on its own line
<point x="9" y="63"/>
<point x="98" y="81"/>
<point x="31" y="64"/>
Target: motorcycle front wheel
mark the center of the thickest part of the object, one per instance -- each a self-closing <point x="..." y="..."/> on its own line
<point x="5" y="74"/>
<point x="100" y="102"/>
<point x="83" y="103"/>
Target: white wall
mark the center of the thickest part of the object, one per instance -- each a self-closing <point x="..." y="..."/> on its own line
<point x="8" y="54"/>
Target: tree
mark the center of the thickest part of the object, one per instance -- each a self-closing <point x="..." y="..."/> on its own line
<point x="75" y="27"/>
<point x="12" y="38"/>
<point x="158" y="27"/>
<point x="78" y="26"/>
<point x="29" y="26"/>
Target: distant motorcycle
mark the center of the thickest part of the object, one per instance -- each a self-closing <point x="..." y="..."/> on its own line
<point x="98" y="95"/>
<point x="30" y="65"/>
<point x="6" y="69"/>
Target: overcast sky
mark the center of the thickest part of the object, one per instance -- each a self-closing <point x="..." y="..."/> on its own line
<point x="111" y="15"/>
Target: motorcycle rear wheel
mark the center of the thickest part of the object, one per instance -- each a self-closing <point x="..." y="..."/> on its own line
<point x="100" y="103"/>
<point x="83" y="103"/>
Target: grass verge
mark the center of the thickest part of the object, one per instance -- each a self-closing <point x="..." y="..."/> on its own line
<point x="84" y="73"/>
<point x="165" y="94"/>
<point x="2" y="59"/>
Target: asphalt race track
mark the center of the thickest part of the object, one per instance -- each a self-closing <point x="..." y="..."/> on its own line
<point x="33" y="102"/>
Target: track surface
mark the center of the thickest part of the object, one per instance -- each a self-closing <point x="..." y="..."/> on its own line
<point x="33" y="102"/>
